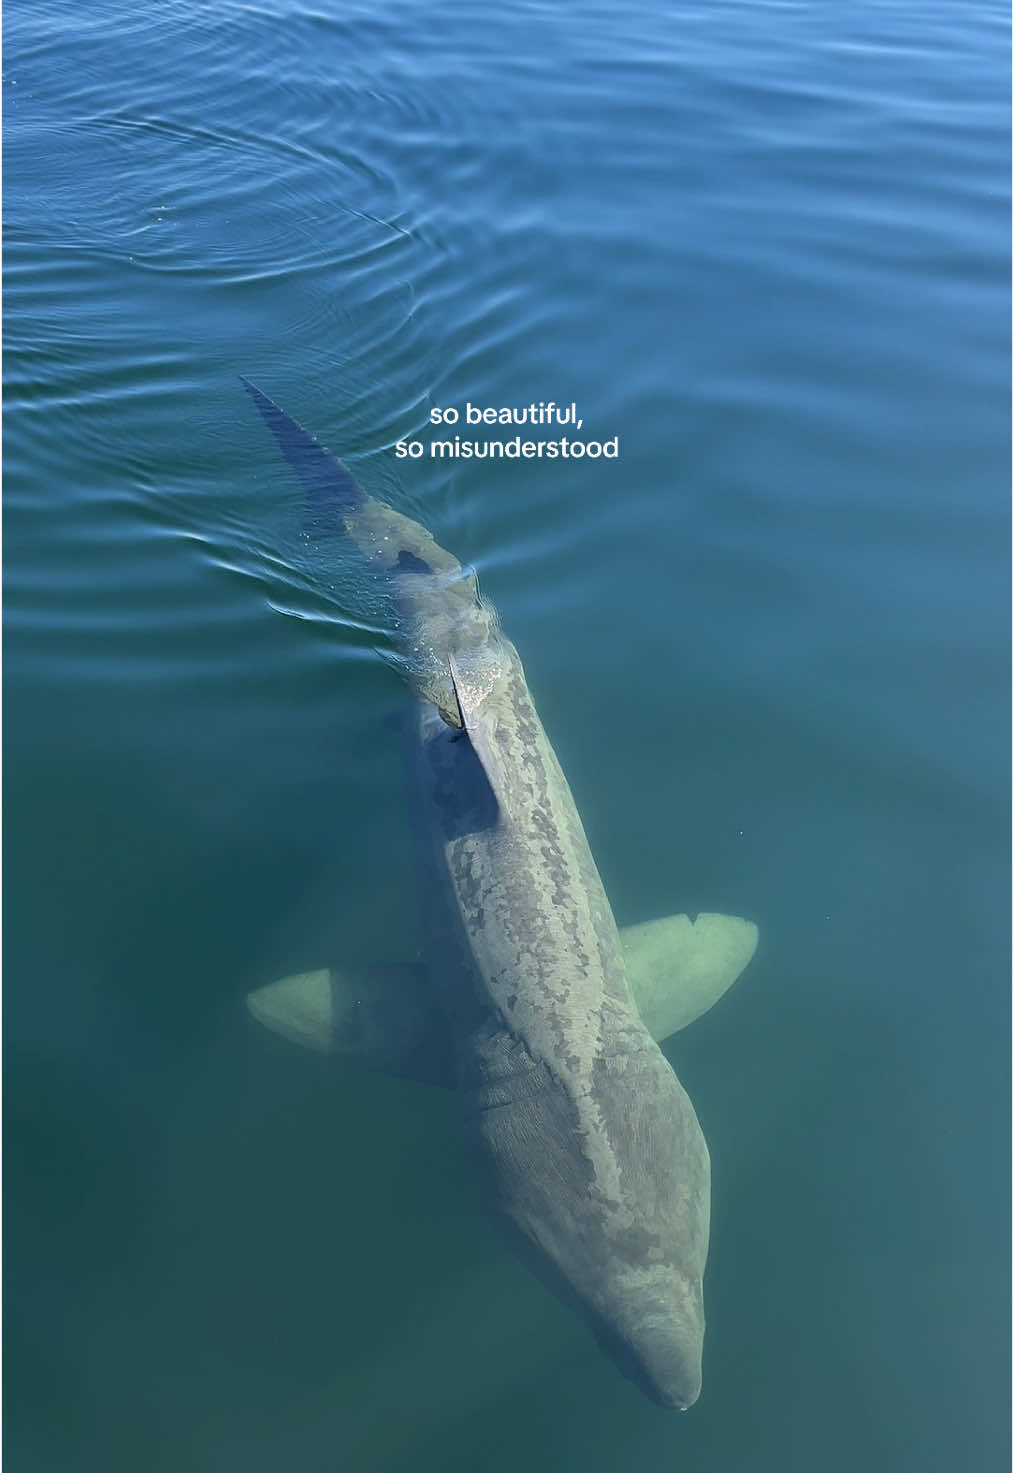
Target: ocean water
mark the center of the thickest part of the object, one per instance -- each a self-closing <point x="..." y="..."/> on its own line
<point x="766" y="246"/>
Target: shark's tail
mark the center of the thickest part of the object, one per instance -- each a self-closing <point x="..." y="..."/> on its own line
<point x="393" y="542"/>
<point x="437" y="600"/>
<point x="331" y="489"/>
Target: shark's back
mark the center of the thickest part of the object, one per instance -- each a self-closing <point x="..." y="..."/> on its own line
<point x="593" y="1144"/>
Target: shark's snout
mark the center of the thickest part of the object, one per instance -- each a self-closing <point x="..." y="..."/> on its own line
<point x="669" y="1367"/>
<point x="656" y="1337"/>
<point x="660" y="1360"/>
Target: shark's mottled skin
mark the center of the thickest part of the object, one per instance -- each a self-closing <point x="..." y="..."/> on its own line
<point x="592" y="1142"/>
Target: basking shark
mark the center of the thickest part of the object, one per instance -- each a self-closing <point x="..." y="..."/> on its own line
<point x="530" y="1001"/>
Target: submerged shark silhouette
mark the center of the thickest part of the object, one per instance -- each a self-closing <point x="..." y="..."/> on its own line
<point x="530" y="1001"/>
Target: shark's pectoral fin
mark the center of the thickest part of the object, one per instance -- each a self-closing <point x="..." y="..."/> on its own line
<point x="384" y="1015"/>
<point x="380" y="1015"/>
<point x="678" y="968"/>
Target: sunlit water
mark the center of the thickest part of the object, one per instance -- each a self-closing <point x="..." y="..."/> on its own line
<point x="766" y="246"/>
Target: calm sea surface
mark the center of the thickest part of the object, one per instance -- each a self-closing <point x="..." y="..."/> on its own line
<point x="765" y="245"/>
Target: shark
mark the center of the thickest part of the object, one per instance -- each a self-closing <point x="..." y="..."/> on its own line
<point x="528" y="1000"/>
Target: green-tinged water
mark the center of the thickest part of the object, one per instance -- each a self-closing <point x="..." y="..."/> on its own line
<point x="765" y="245"/>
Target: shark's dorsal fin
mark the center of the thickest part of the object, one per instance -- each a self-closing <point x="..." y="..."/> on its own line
<point x="455" y="678"/>
<point x="478" y="724"/>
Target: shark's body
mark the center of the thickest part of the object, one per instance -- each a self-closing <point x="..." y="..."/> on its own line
<point x="592" y="1143"/>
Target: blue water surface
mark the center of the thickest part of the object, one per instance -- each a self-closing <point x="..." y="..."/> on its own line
<point x="766" y="246"/>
